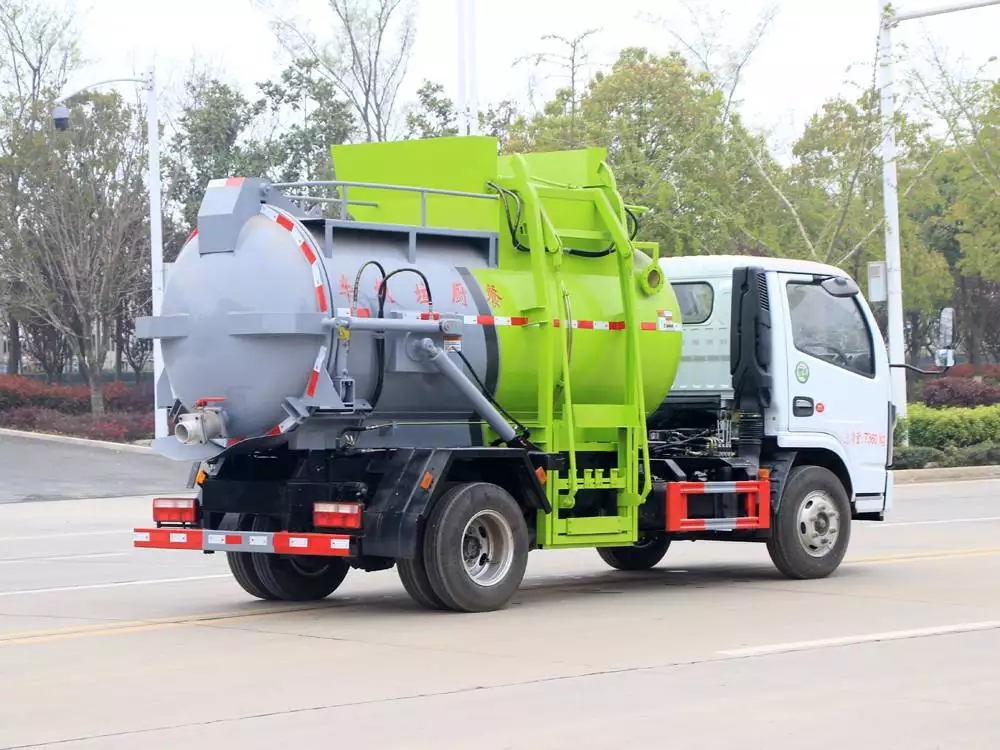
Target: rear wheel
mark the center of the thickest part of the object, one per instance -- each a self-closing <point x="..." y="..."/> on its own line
<point x="642" y="555"/>
<point x="297" y="578"/>
<point x="475" y="547"/>
<point x="812" y="527"/>
<point x="413" y="574"/>
<point x="241" y="563"/>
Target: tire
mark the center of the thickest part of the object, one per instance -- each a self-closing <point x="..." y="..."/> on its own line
<point x="639" y="556"/>
<point x="463" y="517"/>
<point x="413" y="574"/>
<point x="297" y="578"/>
<point x="812" y="528"/>
<point x="241" y="563"/>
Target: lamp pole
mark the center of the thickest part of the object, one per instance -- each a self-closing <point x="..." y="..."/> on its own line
<point x="60" y="117"/>
<point x="468" y="106"/>
<point x="889" y="19"/>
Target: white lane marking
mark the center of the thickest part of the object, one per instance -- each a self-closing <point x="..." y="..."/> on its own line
<point x="984" y="519"/>
<point x="115" y="584"/>
<point x="61" y="557"/>
<point x="850" y="640"/>
<point x="65" y="535"/>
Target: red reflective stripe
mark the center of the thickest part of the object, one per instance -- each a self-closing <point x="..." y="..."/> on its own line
<point x="234" y="539"/>
<point x="519" y="321"/>
<point x="321" y="298"/>
<point x="363" y="312"/>
<point x="585" y="324"/>
<point x="648" y="326"/>
<point x="234" y="181"/>
<point x="484" y="320"/>
<point x="285" y="222"/>
<point x="313" y="382"/>
<point x="617" y="325"/>
<point x="307" y="251"/>
<point x="170" y="538"/>
<point x="276" y="430"/>
<point x="333" y="545"/>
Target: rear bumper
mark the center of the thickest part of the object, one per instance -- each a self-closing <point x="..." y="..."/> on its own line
<point x="266" y="542"/>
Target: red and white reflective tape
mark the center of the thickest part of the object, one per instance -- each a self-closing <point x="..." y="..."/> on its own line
<point x="317" y="369"/>
<point x="664" y="322"/>
<point x="304" y="241"/>
<point x="226" y="182"/>
<point x="267" y="542"/>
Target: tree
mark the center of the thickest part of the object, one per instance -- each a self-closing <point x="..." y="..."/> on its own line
<point x="365" y="58"/>
<point x="283" y="135"/>
<point x="213" y="139"/>
<point x="39" y="51"/>
<point x="434" y="116"/>
<point x="84" y="245"/>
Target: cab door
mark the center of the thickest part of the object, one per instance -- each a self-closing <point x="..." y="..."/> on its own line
<point x="838" y="380"/>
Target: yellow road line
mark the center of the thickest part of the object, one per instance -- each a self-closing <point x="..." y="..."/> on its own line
<point x="129" y="626"/>
<point x="140" y="626"/>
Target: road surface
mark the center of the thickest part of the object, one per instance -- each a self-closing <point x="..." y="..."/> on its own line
<point x="105" y="647"/>
<point x="33" y="469"/>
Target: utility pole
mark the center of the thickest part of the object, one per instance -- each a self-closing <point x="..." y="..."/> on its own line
<point x="468" y="105"/>
<point x="888" y="20"/>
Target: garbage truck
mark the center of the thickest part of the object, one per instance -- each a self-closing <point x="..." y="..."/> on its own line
<point x="458" y="357"/>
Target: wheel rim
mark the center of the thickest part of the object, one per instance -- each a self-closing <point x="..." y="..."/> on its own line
<point x="487" y="548"/>
<point x="818" y="523"/>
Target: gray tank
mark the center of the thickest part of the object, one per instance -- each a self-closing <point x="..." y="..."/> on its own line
<point x="270" y="313"/>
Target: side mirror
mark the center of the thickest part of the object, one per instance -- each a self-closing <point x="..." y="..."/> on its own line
<point x="840" y="286"/>
<point x="60" y="117"/>
<point x="946" y="329"/>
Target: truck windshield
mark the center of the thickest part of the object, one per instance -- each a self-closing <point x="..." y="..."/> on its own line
<point x="830" y="328"/>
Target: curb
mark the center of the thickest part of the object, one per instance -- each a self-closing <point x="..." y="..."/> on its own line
<point x="950" y="474"/>
<point x="84" y="442"/>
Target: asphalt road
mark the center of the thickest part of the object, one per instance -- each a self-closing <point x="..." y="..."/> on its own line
<point x="106" y="647"/>
<point x="34" y="469"/>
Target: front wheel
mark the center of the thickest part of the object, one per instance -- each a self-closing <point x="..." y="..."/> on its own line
<point x="812" y="527"/>
<point x="475" y="547"/>
<point x="642" y="555"/>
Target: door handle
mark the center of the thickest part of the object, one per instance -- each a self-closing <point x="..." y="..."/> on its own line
<point x="802" y="406"/>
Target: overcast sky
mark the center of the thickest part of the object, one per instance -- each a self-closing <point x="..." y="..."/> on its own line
<point x="810" y="50"/>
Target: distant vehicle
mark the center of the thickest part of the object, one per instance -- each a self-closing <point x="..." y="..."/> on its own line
<point x="473" y="357"/>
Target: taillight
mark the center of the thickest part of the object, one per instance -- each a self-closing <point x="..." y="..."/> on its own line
<point x="337" y="515"/>
<point x="174" y="510"/>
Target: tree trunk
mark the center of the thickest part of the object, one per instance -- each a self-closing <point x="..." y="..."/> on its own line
<point x="14" y="345"/>
<point x="119" y="338"/>
<point x="96" y="391"/>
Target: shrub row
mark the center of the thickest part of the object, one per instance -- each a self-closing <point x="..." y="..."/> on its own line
<point x="924" y="457"/>
<point x="116" y="427"/>
<point x="950" y="427"/>
<point x="19" y="392"/>
<point x="939" y="392"/>
<point x="965" y="370"/>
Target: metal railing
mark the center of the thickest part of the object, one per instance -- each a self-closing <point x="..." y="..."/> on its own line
<point x="344" y="185"/>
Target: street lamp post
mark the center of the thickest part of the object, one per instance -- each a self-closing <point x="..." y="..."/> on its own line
<point x="468" y="106"/>
<point x="60" y="118"/>
<point x="889" y="19"/>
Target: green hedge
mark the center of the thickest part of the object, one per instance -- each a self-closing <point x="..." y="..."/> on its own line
<point x="949" y="436"/>
<point x="950" y="427"/>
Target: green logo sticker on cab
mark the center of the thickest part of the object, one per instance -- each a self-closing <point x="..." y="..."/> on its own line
<point x="802" y="372"/>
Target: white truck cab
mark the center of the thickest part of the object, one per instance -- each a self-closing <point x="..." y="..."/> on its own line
<point x="830" y="388"/>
